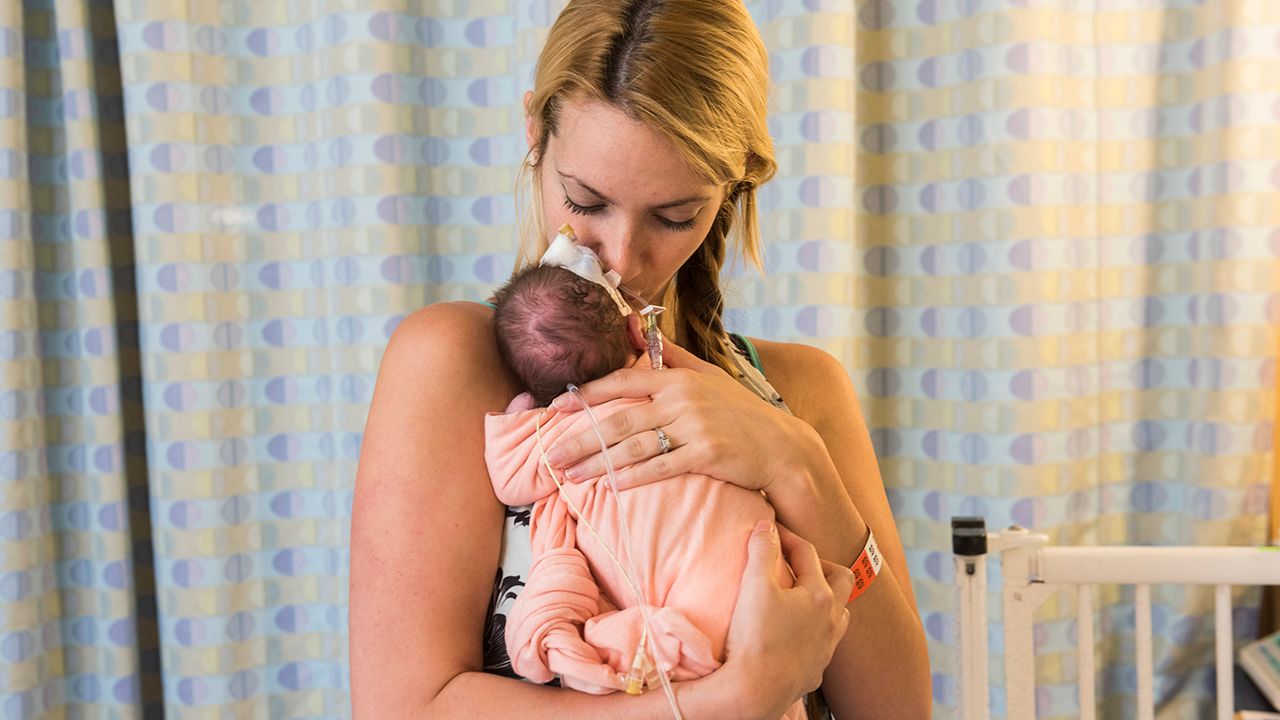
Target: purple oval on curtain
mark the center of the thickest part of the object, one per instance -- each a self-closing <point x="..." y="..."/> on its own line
<point x="877" y="200"/>
<point x="1208" y="504"/>
<point x="1029" y="384"/>
<point x="930" y="72"/>
<point x="933" y="383"/>
<point x="815" y="256"/>
<point x="242" y="684"/>
<point x="263" y="42"/>
<point x="486" y="151"/>
<point x="970" y="64"/>
<point x="189" y="632"/>
<point x="164" y="96"/>
<point x="935" y="505"/>
<point x="388" y="88"/>
<point x="284" y="447"/>
<point x="171" y="218"/>
<point x="177" y="337"/>
<point x="972" y="322"/>
<point x="396" y="269"/>
<point x="337" y="90"/>
<point x="107" y="458"/>
<point x="279" y="333"/>
<point x="927" y="11"/>
<point x="971" y="131"/>
<point x="273" y="217"/>
<point x="390" y="148"/>
<point x="192" y="691"/>
<point x="173" y="277"/>
<point x="437" y="210"/>
<point x="1147" y="311"/>
<point x="236" y="509"/>
<point x="876" y="77"/>
<point x="112" y="516"/>
<point x="821" y="60"/>
<point x="270" y="159"/>
<point x="489" y="268"/>
<point x="167" y="157"/>
<point x="972" y="194"/>
<point x="1213" y="439"/>
<point x="187" y="573"/>
<point x="16" y="586"/>
<point x="814" y="321"/>
<point x="240" y="626"/>
<point x="877" y="139"/>
<point x="292" y="618"/>
<point x="160" y="36"/>
<point x="16" y="525"/>
<point x="294" y="676"/>
<point x="481" y="32"/>
<point x="937" y="565"/>
<point x="1147" y="373"/>
<point x="350" y="330"/>
<point x="180" y="396"/>
<point x="818" y="126"/>
<point x="394" y="209"/>
<point x="430" y="32"/>
<point x="931" y="322"/>
<point x="352" y="389"/>
<point x="182" y="455"/>
<point x="940" y="627"/>
<point x="1028" y="449"/>
<point x="1148" y="496"/>
<point x="184" y="514"/>
<point x="1029" y="320"/>
<point x="930" y="135"/>
<point x="281" y="390"/>
<point x="973" y="448"/>
<point x="18" y="646"/>
<point x="289" y="562"/>
<point x="490" y="209"/>
<point x="934" y="444"/>
<point x="276" y="275"/>
<point x="333" y="29"/>
<point x="883" y="382"/>
<point x="882" y="321"/>
<point x="879" y="261"/>
<point x="1030" y="512"/>
<point x="433" y="92"/>
<point x="121" y="632"/>
<point x="267" y="101"/>
<point x="484" y="92"/>
<point x="385" y="26"/>
<point x="94" y="283"/>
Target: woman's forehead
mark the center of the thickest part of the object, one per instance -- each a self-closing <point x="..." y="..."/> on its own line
<point x="603" y="148"/>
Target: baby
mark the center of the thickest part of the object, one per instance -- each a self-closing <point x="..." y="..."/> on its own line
<point x="577" y="616"/>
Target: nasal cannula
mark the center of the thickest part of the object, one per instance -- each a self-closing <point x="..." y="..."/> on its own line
<point x="638" y="675"/>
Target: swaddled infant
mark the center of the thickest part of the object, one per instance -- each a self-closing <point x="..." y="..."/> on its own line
<point x="577" y="616"/>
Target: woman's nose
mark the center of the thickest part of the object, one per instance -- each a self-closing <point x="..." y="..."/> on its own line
<point x="616" y="248"/>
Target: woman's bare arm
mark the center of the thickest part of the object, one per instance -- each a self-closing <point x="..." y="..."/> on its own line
<point x="881" y="669"/>
<point x="425" y="539"/>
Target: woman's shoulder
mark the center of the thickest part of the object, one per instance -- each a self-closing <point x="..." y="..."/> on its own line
<point x="449" y="342"/>
<point x="809" y="379"/>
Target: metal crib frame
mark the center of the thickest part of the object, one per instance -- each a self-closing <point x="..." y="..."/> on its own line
<point x="1033" y="572"/>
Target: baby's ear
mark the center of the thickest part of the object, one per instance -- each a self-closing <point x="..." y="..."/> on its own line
<point x="520" y="403"/>
<point x="635" y="335"/>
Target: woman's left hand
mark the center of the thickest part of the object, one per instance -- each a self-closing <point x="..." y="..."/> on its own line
<point x="715" y="426"/>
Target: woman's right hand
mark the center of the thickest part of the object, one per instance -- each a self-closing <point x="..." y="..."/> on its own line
<point x="781" y="639"/>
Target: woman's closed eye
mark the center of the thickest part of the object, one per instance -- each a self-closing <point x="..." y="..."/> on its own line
<point x="668" y="223"/>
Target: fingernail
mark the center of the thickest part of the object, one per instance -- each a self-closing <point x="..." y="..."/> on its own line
<point x="561" y="402"/>
<point x="574" y="472"/>
<point x="764" y="526"/>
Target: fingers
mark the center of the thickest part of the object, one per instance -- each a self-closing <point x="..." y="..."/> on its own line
<point x="762" y="553"/>
<point x="812" y="571"/>
<point x="674" y="356"/>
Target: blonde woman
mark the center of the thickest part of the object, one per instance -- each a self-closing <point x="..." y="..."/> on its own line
<point x="647" y="133"/>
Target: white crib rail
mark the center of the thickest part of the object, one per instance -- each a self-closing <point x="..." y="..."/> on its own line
<point x="1033" y="572"/>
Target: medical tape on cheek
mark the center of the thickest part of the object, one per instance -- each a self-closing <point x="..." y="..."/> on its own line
<point x="866" y="567"/>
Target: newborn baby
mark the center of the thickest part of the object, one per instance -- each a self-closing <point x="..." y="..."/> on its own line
<point x="577" y="616"/>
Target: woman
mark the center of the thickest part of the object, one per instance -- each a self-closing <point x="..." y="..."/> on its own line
<point x="647" y="133"/>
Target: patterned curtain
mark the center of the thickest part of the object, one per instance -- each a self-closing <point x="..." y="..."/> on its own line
<point x="77" y="613"/>
<point x="1067" y="302"/>
<point x="1039" y="233"/>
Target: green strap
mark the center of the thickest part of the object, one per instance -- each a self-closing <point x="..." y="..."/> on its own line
<point x="751" y="350"/>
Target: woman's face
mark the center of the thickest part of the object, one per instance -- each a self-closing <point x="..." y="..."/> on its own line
<point x="628" y="194"/>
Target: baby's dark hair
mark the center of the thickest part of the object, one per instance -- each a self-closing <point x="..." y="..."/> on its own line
<point x="556" y="328"/>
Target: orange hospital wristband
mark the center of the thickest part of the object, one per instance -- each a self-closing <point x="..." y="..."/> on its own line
<point x="866" y="567"/>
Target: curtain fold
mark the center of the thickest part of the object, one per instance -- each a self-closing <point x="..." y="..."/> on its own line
<point x="77" y="617"/>
<point x="1040" y="234"/>
<point x="1070" y="247"/>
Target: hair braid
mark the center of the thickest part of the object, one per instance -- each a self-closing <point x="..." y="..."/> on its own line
<point x="699" y="301"/>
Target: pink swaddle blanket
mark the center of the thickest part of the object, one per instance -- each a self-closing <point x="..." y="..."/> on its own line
<point x="576" y="616"/>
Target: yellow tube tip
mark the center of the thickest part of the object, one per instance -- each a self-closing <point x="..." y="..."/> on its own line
<point x="567" y="230"/>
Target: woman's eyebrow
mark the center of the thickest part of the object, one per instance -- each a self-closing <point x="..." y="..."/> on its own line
<point x="664" y="206"/>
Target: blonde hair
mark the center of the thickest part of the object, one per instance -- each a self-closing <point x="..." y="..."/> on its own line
<point x="696" y="73"/>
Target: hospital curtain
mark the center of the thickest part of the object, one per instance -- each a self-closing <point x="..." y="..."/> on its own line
<point x="1039" y="233"/>
<point x="1067" y="308"/>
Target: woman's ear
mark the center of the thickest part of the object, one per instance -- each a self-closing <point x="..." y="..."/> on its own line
<point x="530" y="123"/>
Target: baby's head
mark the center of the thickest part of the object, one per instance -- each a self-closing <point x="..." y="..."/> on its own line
<point x="556" y="328"/>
